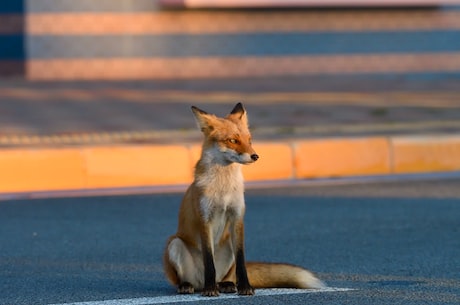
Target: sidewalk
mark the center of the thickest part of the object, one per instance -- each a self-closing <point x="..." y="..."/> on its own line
<point x="64" y="136"/>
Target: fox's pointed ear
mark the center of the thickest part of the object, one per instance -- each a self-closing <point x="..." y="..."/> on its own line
<point x="238" y="109"/>
<point x="239" y="113"/>
<point x="203" y="119"/>
<point x="198" y="111"/>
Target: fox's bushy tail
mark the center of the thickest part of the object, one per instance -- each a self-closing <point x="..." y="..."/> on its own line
<point x="274" y="275"/>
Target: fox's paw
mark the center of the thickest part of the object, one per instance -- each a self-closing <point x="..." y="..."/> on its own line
<point x="226" y="287"/>
<point x="185" y="288"/>
<point x="245" y="290"/>
<point x="210" y="291"/>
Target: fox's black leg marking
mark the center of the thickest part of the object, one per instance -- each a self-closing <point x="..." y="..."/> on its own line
<point x="210" y="287"/>
<point x="244" y="288"/>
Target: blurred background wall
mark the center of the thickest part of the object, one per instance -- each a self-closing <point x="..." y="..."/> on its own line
<point x="12" y="38"/>
<point x="141" y="39"/>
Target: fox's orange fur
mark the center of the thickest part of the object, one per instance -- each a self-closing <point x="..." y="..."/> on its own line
<point x="207" y="252"/>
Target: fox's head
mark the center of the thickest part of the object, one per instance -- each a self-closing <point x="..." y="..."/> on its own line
<point x="228" y="139"/>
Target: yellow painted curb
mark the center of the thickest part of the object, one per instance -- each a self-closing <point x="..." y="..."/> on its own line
<point x="48" y="169"/>
<point x="97" y="167"/>
<point x="25" y="170"/>
<point x="342" y="157"/>
<point x="121" y="166"/>
<point x="426" y="154"/>
<point x="275" y="163"/>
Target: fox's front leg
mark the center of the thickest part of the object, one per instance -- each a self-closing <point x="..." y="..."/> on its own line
<point x="242" y="281"/>
<point x="210" y="286"/>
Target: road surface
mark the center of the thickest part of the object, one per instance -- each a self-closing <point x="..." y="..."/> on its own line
<point x="372" y="242"/>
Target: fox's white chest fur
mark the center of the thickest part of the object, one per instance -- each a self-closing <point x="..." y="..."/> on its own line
<point x="223" y="196"/>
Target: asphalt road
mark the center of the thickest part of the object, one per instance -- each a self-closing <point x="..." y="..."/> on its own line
<point x="391" y="242"/>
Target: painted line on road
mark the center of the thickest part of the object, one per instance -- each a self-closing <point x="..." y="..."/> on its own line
<point x="196" y="297"/>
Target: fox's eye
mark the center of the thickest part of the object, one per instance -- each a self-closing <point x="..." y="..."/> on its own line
<point x="233" y="141"/>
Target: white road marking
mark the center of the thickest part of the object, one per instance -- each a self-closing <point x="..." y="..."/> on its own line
<point x="196" y="297"/>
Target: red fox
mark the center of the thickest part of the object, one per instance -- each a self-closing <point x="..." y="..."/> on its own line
<point x="207" y="252"/>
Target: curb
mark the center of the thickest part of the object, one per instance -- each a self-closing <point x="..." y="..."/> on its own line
<point x="118" y="166"/>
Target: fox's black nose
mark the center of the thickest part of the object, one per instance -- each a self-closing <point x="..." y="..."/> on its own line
<point x="254" y="157"/>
